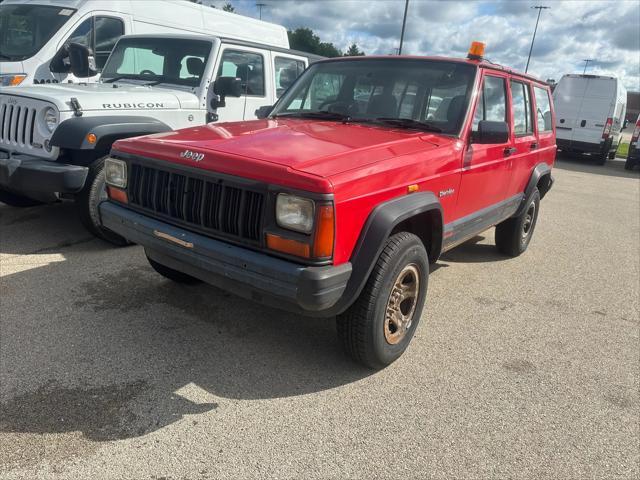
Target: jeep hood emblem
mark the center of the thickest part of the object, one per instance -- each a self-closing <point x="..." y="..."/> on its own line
<point x="189" y="155"/>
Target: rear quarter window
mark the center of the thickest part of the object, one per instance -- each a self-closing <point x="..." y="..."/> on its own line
<point x="543" y="109"/>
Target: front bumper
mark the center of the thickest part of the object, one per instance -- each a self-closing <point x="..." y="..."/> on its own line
<point x="38" y="178"/>
<point x="253" y="275"/>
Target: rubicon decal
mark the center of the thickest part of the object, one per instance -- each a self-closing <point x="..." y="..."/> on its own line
<point x="126" y="106"/>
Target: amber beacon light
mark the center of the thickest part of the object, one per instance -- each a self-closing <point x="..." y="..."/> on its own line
<point x="476" y="51"/>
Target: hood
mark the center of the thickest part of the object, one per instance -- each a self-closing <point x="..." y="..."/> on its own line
<point x="318" y="149"/>
<point x="107" y="96"/>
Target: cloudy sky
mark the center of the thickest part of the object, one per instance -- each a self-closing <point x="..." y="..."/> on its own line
<point x="606" y="31"/>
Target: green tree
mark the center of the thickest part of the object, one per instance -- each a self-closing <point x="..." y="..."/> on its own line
<point x="354" y="51"/>
<point x="305" y="40"/>
<point x="228" y="7"/>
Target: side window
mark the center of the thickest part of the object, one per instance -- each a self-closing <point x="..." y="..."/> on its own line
<point x="83" y="34"/>
<point x="286" y="71"/>
<point x="522" y="120"/>
<point x="247" y="66"/>
<point x="543" y="114"/>
<point x="492" y="103"/>
<point x="107" y="32"/>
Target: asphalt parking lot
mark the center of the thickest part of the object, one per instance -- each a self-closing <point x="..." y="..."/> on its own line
<point x="521" y="368"/>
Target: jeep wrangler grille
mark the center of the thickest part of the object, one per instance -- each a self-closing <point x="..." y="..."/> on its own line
<point x="211" y="205"/>
<point x="17" y="124"/>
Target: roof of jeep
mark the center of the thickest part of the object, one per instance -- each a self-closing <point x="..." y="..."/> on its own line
<point x="477" y="63"/>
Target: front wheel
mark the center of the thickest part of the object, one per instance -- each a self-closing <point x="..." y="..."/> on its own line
<point x="514" y="234"/>
<point x="87" y="201"/>
<point x="378" y="327"/>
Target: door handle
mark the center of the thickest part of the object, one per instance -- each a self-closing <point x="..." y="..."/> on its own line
<point x="534" y="145"/>
<point x="510" y="151"/>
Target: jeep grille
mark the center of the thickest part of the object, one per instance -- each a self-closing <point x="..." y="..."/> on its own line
<point x="19" y="128"/>
<point x="214" y="206"/>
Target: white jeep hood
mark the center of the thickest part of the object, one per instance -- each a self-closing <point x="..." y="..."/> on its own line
<point x="107" y="97"/>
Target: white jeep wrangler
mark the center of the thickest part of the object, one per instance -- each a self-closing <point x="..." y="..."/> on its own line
<point x="53" y="138"/>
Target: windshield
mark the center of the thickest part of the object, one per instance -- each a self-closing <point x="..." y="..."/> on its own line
<point x="24" y="29"/>
<point x="158" y="60"/>
<point x="421" y="94"/>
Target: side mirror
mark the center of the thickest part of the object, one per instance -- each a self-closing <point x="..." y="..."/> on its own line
<point x="60" y="61"/>
<point x="264" y="111"/>
<point x="491" y="132"/>
<point x="83" y="63"/>
<point x="224" y="87"/>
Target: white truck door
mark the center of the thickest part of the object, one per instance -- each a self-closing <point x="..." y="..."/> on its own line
<point x="595" y="107"/>
<point x="253" y="67"/>
<point x="100" y="32"/>
<point x="286" y="68"/>
<point x="567" y="99"/>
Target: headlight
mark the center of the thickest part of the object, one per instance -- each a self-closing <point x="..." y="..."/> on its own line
<point x="115" y="172"/>
<point x="12" y="79"/>
<point x="50" y="119"/>
<point x="294" y="213"/>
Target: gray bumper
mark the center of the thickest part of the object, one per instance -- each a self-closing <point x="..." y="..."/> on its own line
<point x="33" y="176"/>
<point x="247" y="273"/>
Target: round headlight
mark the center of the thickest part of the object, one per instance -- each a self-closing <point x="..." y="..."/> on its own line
<point x="50" y="119"/>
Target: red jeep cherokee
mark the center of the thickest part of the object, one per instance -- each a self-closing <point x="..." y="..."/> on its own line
<point x="364" y="172"/>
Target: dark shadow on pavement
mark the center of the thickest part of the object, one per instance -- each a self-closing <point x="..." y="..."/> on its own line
<point x="474" y="252"/>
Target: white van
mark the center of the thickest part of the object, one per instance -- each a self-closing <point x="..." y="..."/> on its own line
<point x="35" y="34"/>
<point x="590" y="111"/>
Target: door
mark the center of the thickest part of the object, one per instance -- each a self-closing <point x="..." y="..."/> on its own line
<point x="251" y="66"/>
<point x="286" y="69"/>
<point x="486" y="167"/>
<point x="525" y="140"/>
<point x="544" y="126"/>
<point x="595" y="108"/>
<point x="100" y="33"/>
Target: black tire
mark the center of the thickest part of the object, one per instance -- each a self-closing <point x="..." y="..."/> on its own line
<point x="172" y="274"/>
<point x="514" y="234"/>
<point x="629" y="164"/>
<point x="367" y="335"/>
<point x="612" y="154"/>
<point x="87" y="201"/>
<point x="15" y="200"/>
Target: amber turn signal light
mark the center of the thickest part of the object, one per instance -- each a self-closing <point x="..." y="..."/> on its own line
<point x="117" y="194"/>
<point x="288" y="246"/>
<point x="323" y="245"/>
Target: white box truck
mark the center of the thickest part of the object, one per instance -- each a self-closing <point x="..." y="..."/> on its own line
<point x="590" y="111"/>
<point x="35" y="34"/>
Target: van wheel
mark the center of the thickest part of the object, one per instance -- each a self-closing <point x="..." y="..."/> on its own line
<point x="514" y="234"/>
<point x="172" y="274"/>
<point x="87" y="201"/>
<point x="612" y="154"/>
<point x="378" y="327"/>
<point x="15" y="200"/>
<point x="628" y="164"/>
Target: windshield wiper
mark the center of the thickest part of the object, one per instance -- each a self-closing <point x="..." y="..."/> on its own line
<point x="408" y="123"/>
<point x="131" y="77"/>
<point x="321" y="114"/>
<point x="5" y="57"/>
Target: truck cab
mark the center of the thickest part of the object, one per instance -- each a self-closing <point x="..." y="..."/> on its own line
<point x="53" y="137"/>
<point x="336" y="203"/>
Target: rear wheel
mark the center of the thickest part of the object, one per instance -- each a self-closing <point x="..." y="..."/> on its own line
<point x="514" y="234"/>
<point x="15" y="200"/>
<point x="88" y="200"/>
<point x="629" y="164"/>
<point x="378" y="327"/>
<point x="172" y="274"/>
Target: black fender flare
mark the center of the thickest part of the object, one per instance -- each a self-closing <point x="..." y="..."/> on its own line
<point x="540" y="170"/>
<point x="72" y="134"/>
<point x="378" y="227"/>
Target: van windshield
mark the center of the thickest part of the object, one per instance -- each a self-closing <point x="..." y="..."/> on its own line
<point x="25" y="29"/>
<point x="177" y="61"/>
<point x="430" y="95"/>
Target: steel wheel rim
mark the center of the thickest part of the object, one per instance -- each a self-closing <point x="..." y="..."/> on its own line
<point x="528" y="220"/>
<point x="401" y="305"/>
